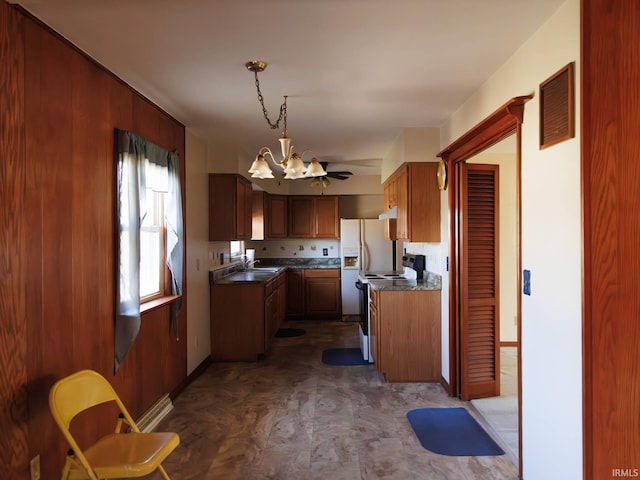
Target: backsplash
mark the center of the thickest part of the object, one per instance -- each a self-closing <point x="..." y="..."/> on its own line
<point x="303" y="248"/>
<point x="435" y="253"/>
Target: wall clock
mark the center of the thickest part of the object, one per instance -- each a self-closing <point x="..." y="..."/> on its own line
<point x="442" y="175"/>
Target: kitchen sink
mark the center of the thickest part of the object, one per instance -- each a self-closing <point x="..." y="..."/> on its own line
<point x="264" y="269"/>
<point x="248" y="276"/>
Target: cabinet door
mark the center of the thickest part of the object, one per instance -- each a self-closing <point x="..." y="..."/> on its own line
<point x="423" y="203"/>
<point x="244" y="205"/>
<point x="271" y="318"/>
<point x="402" y="202"/>
<point x="301" y="221"/>
<point x="258" y="214"/>
<point x="390" y="224"/>
<point x="276" y="218"/>
<point x="295" y="293"/>
<point x="374" y="328"/>
<point x="322" y="293"/>
<point x="282" y="300"/>
<point x="226" y="203"/>
<point x="326" y="217"/>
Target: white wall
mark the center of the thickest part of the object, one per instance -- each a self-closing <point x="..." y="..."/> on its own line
<point x="197" y="236"/>
<point x="551" y="246"/>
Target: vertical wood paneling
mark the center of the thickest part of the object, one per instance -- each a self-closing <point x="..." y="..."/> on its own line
<point x="14" y="449"/>
<point x="61" y="194"/>
<point x="49" y="289"/>
<point x="611" y="189"/>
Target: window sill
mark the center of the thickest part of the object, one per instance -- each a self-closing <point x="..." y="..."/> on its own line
<point x="158" y="302"/>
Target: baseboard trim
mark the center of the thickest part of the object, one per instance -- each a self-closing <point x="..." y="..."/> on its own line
<point x="152" y="417"/>
<point x="191" y="377"/>
<point x="446" y="386"/>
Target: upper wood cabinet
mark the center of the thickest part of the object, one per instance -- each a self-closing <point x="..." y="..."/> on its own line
<point x="301" y="222"/>
<point x="390" y="200"/>
<point x="276" y="216"/>
<point x="269" y="216"/>
<point x="258" y="213"/>
<point x="313" y="217"/>
<point x="327" y="223"/>
<point x="417" y="197"/>
<point x="230" y="207"/>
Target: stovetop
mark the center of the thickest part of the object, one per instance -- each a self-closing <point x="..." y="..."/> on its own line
<point x="383" y="275"/>
<point x="414" y="266"/>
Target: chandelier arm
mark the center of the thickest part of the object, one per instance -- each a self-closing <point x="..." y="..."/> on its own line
<point x="264" y="151"/>
<point x="283" y="108"/>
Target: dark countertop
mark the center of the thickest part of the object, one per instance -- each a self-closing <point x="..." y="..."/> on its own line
<point x="266" y="269"/>
<point x="431" y="281"/>
<point x="298" y="263"/>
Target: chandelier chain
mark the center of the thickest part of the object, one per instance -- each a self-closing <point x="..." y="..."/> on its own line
<point x="283" y="108"/>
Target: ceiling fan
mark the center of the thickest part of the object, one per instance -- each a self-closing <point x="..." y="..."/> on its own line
<point x="324" y="181"/>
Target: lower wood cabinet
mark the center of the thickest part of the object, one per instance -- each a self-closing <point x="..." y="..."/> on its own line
<point x="295" y="293"/>
<point x="322" y="293"/>
<point x="405" y="334"/>
<point x="245" y="317"/>
<point x="314" y="293"/>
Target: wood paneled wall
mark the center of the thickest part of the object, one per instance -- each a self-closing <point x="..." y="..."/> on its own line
<point x="57" y="121"/>
<point x="14" y="442"/>
<point x="611" y="188"/>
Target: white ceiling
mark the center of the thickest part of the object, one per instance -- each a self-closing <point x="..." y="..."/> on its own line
<point x="356" y="71"/>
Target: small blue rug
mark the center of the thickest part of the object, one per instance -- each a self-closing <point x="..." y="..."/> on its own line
<point x="451" y="431"/>
<point x="290" y="332"/>
<point x="343" y="356"/>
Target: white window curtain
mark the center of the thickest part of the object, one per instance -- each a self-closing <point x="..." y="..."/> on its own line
<point x="142" y="165"/>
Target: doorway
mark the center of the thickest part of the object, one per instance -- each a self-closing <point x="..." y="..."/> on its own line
<point x="500" y="124"/>
<point x="501" y="411"/>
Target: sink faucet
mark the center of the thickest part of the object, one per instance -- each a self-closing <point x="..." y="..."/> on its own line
<point x="247" y="264"/>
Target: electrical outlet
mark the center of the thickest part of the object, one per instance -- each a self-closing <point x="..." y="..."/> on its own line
<point x="35" y="467"/>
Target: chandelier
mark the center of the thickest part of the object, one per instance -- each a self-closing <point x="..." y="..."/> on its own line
<point x="291" y="163"/>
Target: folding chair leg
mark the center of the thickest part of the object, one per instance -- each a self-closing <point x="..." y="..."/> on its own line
<point x="164" y="474"/>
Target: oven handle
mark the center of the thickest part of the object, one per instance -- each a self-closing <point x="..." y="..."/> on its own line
<point x="359" y="285"/>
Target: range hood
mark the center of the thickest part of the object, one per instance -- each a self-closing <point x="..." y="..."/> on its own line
<point x="391" y="213"/>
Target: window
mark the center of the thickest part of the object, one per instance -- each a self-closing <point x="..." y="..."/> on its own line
<point x="152" y="248"/>
<point x="150" y="252"/>
<point x="235" y="248"/>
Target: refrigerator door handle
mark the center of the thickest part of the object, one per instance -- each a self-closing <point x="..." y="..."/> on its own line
<point x="365" y="252"/>
<point x="366" y="263"/>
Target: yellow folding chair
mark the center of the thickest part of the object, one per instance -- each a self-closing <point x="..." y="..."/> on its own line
<point x="118" y="455"/>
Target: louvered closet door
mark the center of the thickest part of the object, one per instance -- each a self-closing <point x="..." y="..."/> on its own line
<point x="479" y="302"/>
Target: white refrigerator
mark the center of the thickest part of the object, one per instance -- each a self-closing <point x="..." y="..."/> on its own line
<point x="363" y="246"/>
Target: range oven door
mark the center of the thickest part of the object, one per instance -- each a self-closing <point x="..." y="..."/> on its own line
<point x="363" y="296"/>
<point x="363" y="327"/>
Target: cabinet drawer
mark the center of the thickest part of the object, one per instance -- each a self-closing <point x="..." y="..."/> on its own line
<point x="322" y="273"/>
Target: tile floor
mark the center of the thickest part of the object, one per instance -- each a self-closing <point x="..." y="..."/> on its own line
<point x="501" y="413"/>
<point x="289" y="416"/>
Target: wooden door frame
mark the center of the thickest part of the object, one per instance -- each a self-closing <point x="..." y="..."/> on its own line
<point x="501" y="123"/>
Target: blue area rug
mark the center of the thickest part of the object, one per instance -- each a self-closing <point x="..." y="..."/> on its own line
<point x="451" y="431"/>
<point x="343" y="356"/>
<point x="290" y="332"/>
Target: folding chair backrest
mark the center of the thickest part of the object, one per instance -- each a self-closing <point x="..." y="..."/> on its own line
<point x="78" y="392"/>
